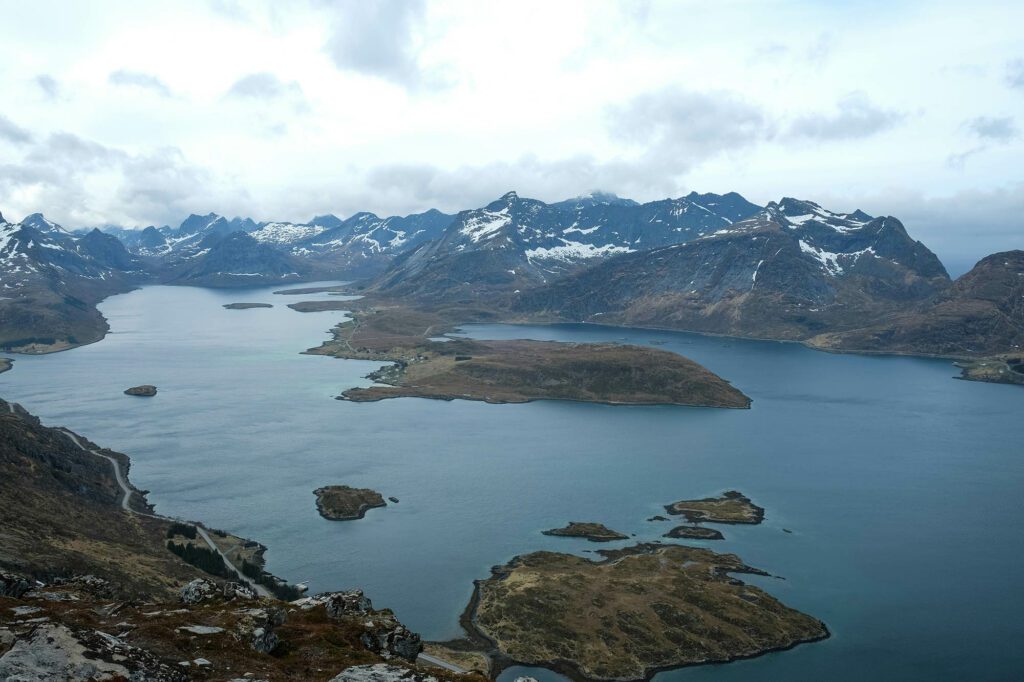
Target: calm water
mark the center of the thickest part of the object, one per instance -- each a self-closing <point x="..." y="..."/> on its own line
<point x="903" y="488"/>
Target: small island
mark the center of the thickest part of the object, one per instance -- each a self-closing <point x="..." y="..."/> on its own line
<point x="731" y="507"/>
<point x="143" y="391"/>
<point x="246" y="306"/>
<point x="514" y="371"/>
<point x="694" y="533"/>
<point x="639" y="610"/>
<point x="595" y="532"/>
<point x="343" y="503"/>
<point x="5" y="364"/>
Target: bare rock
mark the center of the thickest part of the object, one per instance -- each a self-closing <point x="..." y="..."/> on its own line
<point x="144" y="391"/>
<point x="339" y="604"/>
<point x="381" y="672"/>
<point x="386" y="636"/>
<point x="256" y="627"/>
<point x="54" y="652"/>
<point x="13" y="585"/>
<point x="199" y="590"/>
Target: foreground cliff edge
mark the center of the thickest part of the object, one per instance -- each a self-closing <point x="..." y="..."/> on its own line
<point x="94" y="585"/>
<point x="509" y="371"/>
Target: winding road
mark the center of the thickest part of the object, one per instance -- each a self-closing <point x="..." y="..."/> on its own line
<point x="126" y="499"/>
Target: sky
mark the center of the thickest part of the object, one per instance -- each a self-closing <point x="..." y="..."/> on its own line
<point x="132" y="113"/>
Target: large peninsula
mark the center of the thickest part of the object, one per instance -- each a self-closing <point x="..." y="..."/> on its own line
<point x="420" y="365"/>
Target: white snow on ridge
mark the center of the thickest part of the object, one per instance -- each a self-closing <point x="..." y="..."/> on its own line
<point x="572" y="251"/>
<point x="285" y="233"/>
<point x="489" y="223"/>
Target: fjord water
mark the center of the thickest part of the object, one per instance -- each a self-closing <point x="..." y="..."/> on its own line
<point x="901" y="487"/>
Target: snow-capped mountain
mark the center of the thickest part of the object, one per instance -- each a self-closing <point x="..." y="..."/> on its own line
<point x="236" y="260"/>
<point x="50" y="281"/>
<point x="519" y="242"/>
<point x="790" y="271"/>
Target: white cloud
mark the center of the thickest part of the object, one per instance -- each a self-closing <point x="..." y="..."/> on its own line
<point x="398" y="106"/>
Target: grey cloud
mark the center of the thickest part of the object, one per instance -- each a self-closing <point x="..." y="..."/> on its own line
<point x="264" y="86"/>
<point x="995" y="128"/>
<point x="689" y="125"/>
<point x="138" y="79"/>
<point x="960" y="159"/>
<point x="378" y="38"/>
<point x="48" y="84"/>
<point x="12" y="132"/>
<point x="154" y="186"/>
<point x="1015" y="74"/>
<point x="856" y="117"/>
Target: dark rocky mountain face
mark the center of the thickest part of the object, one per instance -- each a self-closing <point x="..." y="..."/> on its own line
<point x="236" y="260"/>
<point x="792" y="272"/>
<point x="107" y="250"/>
<point x="982" y="313"/>
<point x="50" y="283"/>
<point x="515" y="242"/>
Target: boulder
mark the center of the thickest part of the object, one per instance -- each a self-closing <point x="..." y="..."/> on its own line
<point x="256" y="627"/>
<point x="13" y="585"/>
<point x="144" y="391"/>
<point x="339" y="604"/>
<point x="199" y="590"/>
<point x="386" y="636"/>
<point x="238" y="590"/>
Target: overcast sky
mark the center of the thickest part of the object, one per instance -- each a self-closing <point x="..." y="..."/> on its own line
<point x="135" y="113"/>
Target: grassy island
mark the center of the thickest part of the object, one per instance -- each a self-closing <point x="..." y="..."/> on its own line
<point x="730" y="507"/>
<point x="639" y="610"/>
<point x="342" y="503"/>
<point x="595" y="532"/>
<point x="510" y="371"/>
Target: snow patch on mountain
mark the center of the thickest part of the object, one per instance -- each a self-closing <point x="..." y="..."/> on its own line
<point x="485" y="225"/>
<point x="571" y="251"/>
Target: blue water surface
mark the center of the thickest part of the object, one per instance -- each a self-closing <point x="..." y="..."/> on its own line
<point x="902" y="487"/>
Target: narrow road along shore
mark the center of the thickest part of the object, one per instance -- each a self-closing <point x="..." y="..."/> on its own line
<point x="126" y="498"/>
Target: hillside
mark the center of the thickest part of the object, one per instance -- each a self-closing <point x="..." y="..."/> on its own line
<point x="982" y="313"/>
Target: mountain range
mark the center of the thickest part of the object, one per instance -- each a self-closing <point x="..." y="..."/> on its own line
<point x="712" y="263"/>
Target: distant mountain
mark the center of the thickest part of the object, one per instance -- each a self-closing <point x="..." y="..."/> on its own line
<point x="982" y="313"/>
<point x="38" y="222"/>
<point x="364" y="244"/>
<point x="236" y="260"/>
<point x="792" y="271"/>
<point x="593" y="199"/>
<point x="51" y="283"/>
<point x="108" y="251"/>
<point x="516" y="243"/>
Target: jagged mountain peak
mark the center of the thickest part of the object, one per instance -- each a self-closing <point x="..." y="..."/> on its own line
<point x="595" y="198"/>
<point x="39" y="222"/>
<point x="795" y="212"/>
